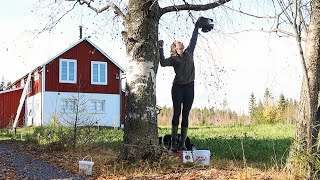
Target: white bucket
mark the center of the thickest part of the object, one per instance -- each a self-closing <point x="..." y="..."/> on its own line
<point x="187" y="157"/>
<point x="201" y="157"/>
<point x="86" y="166"/>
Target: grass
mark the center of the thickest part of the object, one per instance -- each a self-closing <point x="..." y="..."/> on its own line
<point x="21" y="133"/>
<point x="264" y="147"/>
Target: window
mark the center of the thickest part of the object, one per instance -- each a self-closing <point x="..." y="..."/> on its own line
<point x="99" y="73"/>
<point x="30" y="87"/>
<point x="68" y="105"/>
<point x="68" y="71"/>
<point x="97" y="106"/>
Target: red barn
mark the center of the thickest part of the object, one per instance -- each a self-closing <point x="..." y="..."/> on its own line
<point x="82" y="83"/>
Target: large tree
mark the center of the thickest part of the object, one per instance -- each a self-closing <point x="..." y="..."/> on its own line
<point x="304" y="18"/>
<point x="308" y="117"/>
<point x="141" y="25"/>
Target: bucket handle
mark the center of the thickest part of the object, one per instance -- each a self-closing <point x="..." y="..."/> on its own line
<point x="86" y="157"/>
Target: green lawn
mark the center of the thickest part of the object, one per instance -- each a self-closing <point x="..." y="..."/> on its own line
<point x="20" y="133"/>
<point x="261" y="145"/>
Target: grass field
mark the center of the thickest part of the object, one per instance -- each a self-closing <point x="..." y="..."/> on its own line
<point x="258" y="146"/>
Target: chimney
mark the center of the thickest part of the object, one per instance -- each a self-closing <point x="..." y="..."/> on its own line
<point x="80" y="29"/>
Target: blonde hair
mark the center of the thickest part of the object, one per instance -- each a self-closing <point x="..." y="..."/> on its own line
<point x="173" y="47"/>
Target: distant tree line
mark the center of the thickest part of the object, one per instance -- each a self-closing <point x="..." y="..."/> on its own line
<point x="271" y="110"/>
<point x="205" y="116"/>
<point x="266" y="111"/>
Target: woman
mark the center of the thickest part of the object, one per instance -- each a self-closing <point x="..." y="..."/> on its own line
<point x="182" y="91"/>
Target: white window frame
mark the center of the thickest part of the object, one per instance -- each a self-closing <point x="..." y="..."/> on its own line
<point x="75" y="71"/>
<point x="94" y="103"/>
<point x="68" y="110"/>
<point x="106" y="72"/>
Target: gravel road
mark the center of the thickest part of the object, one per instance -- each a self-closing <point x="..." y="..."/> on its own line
<point x="15" y="165"/>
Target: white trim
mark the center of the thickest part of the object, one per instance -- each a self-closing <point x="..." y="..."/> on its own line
<point x="9" y="90"/>
<point x="98" y="101"/>
<point x="106" y="73"/>
<point x="106" y="55"/>
<point x="78" y="42"/>
<point x="61" y="60"/>
<point x="22" y="101"/>
<point x="120" y="95"/>
<point x="43" y="89"/>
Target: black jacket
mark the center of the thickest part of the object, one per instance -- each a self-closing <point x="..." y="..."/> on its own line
<point x="183" y="64"/>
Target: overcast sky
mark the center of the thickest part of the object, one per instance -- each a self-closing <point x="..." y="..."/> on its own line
<point x="240" y="63"/>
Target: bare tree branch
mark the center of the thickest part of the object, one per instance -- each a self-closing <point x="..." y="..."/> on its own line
<point x="51" y="26"/>
<point x="283" y="7"/>
<point x="193" y="7"/>
<point x="106" y="7"/>
<point x="252" y="15"/>
<point x="275" y="30"/>
<point x="304" y="24"/>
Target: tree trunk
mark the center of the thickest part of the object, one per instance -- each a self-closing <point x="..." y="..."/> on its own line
<point x="141" y="38"/>
<point x="313" y="54"/>
<point x="308" y="121"/>
<point x="296" y="160"/>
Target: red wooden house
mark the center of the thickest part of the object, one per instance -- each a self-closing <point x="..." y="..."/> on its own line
<point x="82" y="83"/>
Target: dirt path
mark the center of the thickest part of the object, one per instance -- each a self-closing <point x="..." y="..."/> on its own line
<point x="15" y="165"/>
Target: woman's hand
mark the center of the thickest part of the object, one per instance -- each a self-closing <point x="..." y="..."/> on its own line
<point x="160" y="42"/>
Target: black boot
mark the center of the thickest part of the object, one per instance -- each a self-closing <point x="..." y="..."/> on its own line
<point x="174" y="132"/>
<point x="184" y="132"/>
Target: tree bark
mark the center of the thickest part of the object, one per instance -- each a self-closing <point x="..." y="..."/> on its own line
<point x="141" y="37"/>
<point x="313" y="64"/>
<point x="308" y="118"/>
<point x="313" y="55"/>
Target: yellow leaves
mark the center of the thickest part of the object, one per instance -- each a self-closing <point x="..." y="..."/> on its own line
<point x="272" y="114"/>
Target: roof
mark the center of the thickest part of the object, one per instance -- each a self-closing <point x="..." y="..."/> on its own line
<point x="70" y="47"/>
<point x="90" y="42"/>
<point x="35" y="69"/>
<point x="10" y="90"/>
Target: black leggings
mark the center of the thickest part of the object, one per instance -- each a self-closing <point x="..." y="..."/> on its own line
<point x="182" y="94"/>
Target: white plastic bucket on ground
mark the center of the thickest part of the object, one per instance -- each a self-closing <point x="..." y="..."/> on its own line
<point x="187" y="157"/>
<point x="201" y="157"/>
<point x="86" y="166"/>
